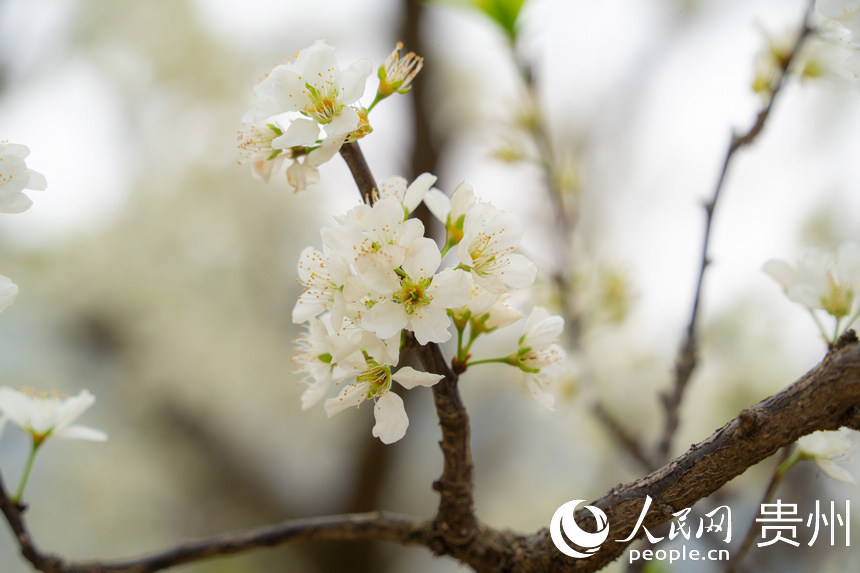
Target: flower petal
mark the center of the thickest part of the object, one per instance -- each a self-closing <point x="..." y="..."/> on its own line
<point x="409" y="378"/>
<point x="391" y="419"/>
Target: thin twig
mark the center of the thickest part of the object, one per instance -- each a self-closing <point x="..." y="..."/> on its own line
<point x="567" y="217"/>
<point x="686" y="360"/>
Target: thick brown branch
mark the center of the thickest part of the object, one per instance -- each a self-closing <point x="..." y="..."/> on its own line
<point x="826" y="398"/>
<point x="685" y="363"/>
<point x="456" y="520"/>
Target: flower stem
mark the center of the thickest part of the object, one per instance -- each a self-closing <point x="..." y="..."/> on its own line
<point x="27" y="468"/>
<point x="503" y="360"/>
<point x="819" y="325"/>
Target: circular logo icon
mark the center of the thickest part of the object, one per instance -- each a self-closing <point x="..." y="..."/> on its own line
<point x="563" y="519"/>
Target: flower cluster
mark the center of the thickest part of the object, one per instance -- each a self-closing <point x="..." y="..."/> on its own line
<point x="308" y="108"/>
<point x="826" y="281"/>
<point x="377" y="276"/>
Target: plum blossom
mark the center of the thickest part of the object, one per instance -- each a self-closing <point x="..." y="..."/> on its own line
<point x="827" y="450"/>
<point x="313" y="85"/>
<point x="15" y="177"/>
<point x="485" y="311"/>
<point x="323" y="277"/>
<point x="397" y="73"/>
<point x="257" y="149"/>
<point x="373" y="381"/>
<point x="539" y="354"/>
<point x="419" y="300"/>
<point x="451" y="211"/>
<point x="410" y="196"/>
<point x="43" y="415"/>
<point x="826" y="281"/>
<point x="489" y="237"/>
<point x="846" y="12"/>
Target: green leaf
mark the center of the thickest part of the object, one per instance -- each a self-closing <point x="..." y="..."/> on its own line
<point x="503" y="12"/>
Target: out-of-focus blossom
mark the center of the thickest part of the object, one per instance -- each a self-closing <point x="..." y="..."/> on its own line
<point x="15" y="177"/>
<point x="539" y="354"/>
<point x="827" y="450"/>
<point x="820" y="280"/>
<point x="44" y="415"/>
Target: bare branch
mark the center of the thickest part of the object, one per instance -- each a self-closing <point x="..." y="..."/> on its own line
<point x="686" y="360"/>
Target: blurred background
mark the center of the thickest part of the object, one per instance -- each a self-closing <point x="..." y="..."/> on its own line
<point x="157" y="273"/>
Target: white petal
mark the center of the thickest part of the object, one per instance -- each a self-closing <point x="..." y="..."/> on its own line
<point x="545" y="399"/>
<point x="422" y="259"/>
<point x="386" y="319"/>
<point x="780" y="271"/>
<point x="391" y="419"/>
<point x="351" y="397"/>
<point x="417" y="190"/>
<point x="409" y="378"/>
<point x="78" y="432"/>
<point x="430" y="324"/>
<point x="342" y="123"/>
<point x="301" y="132"/>
<point x="353" y="79"/>
<point x="72" y="408"/>
<point x="392" y="187"/>
<point x="451" y="288"/>
<point x="519" y="273"/>
<point x="835" y="471"/>
<point x="438" y="203"/>
<point x="14" y="202"/>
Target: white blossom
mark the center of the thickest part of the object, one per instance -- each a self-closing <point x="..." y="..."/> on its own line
<point x="373" y="382"/>
<point x="487" y="311"/>
<point x="828" y="450"/>
<point x="451" y="211"/>
<point x="820" y="280"/>
<point x="489" y="238"/>
<point x="44" y="415"/>
<point x="539" y="355"/>
<point x="313" y="85"/>
<point x="846" y="12"/>
<point x="410" y="196"/>
<point x="323" y="277"/>
<point x="15" y="177"/>
<point x="419" y="300"/>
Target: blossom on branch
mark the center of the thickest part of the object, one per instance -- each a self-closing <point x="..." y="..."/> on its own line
<point x="397" y="73"/>
<point x="371" y="379"/>
<point x="826" y="281"/>
<point x="15" y="177"/>
<point x="43" y="415"/>
<point x="539" y="354"/>
<point x="827" y="450"/>
<point x="314" y="86"/>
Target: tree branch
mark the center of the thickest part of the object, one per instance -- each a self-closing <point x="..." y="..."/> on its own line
<point x="354" y="158"/>
<point x="686" y="360"/>
<point x="825" y="398"/>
